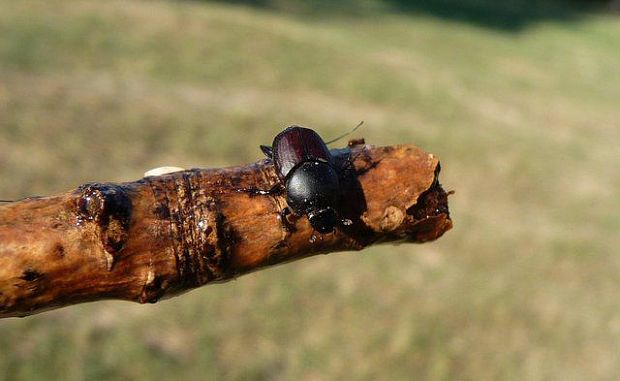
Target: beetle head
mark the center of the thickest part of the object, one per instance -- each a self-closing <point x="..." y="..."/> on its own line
<point x="323" y="220"/>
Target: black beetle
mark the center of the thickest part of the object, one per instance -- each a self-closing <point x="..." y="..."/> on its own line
<point x="307" y="174"/>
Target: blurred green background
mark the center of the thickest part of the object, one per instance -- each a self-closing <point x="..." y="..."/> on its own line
<point x="520" y="99"/>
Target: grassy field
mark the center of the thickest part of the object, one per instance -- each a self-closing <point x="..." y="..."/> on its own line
<point x="522" y="104"/>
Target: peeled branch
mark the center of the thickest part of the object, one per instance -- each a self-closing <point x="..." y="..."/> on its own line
<point x="163" y="235"/>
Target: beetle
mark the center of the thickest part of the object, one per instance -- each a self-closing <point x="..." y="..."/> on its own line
<point x="308" y="175"/>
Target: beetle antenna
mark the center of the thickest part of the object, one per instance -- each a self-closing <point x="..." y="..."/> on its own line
<point x="348" y="133"/>
<point x="7" y="201"/>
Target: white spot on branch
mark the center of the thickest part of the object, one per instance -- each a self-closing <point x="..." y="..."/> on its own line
<point x="162" y="171"/>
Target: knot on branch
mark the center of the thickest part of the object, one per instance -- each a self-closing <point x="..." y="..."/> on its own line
<point x="109" y="207"/>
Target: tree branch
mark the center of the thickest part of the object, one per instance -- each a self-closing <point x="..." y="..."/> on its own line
<point x="163" y="235"/>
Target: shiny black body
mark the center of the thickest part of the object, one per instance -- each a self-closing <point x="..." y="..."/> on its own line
<point x="306" y="169"/>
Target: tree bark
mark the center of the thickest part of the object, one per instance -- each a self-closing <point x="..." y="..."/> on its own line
<point x="163" y="235"/>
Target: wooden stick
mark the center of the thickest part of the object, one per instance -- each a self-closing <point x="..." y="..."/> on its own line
<point x="163" y="235"/>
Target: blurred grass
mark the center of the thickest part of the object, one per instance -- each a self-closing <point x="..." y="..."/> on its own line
<point x="525" y="118"/>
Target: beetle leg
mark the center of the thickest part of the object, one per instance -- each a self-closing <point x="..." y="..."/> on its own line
<point x="287" y="224"/>
<point x="268" y="151"/>
<point x="274" y="190"/>
<point x="347" y="167"/>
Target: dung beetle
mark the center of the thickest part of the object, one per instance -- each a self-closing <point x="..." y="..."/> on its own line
<point x="307" y="174"/>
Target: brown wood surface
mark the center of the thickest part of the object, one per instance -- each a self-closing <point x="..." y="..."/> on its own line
<point x="163" y="235"/>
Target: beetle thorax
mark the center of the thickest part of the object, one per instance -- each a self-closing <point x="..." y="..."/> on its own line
<point x="312" y="186"/>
